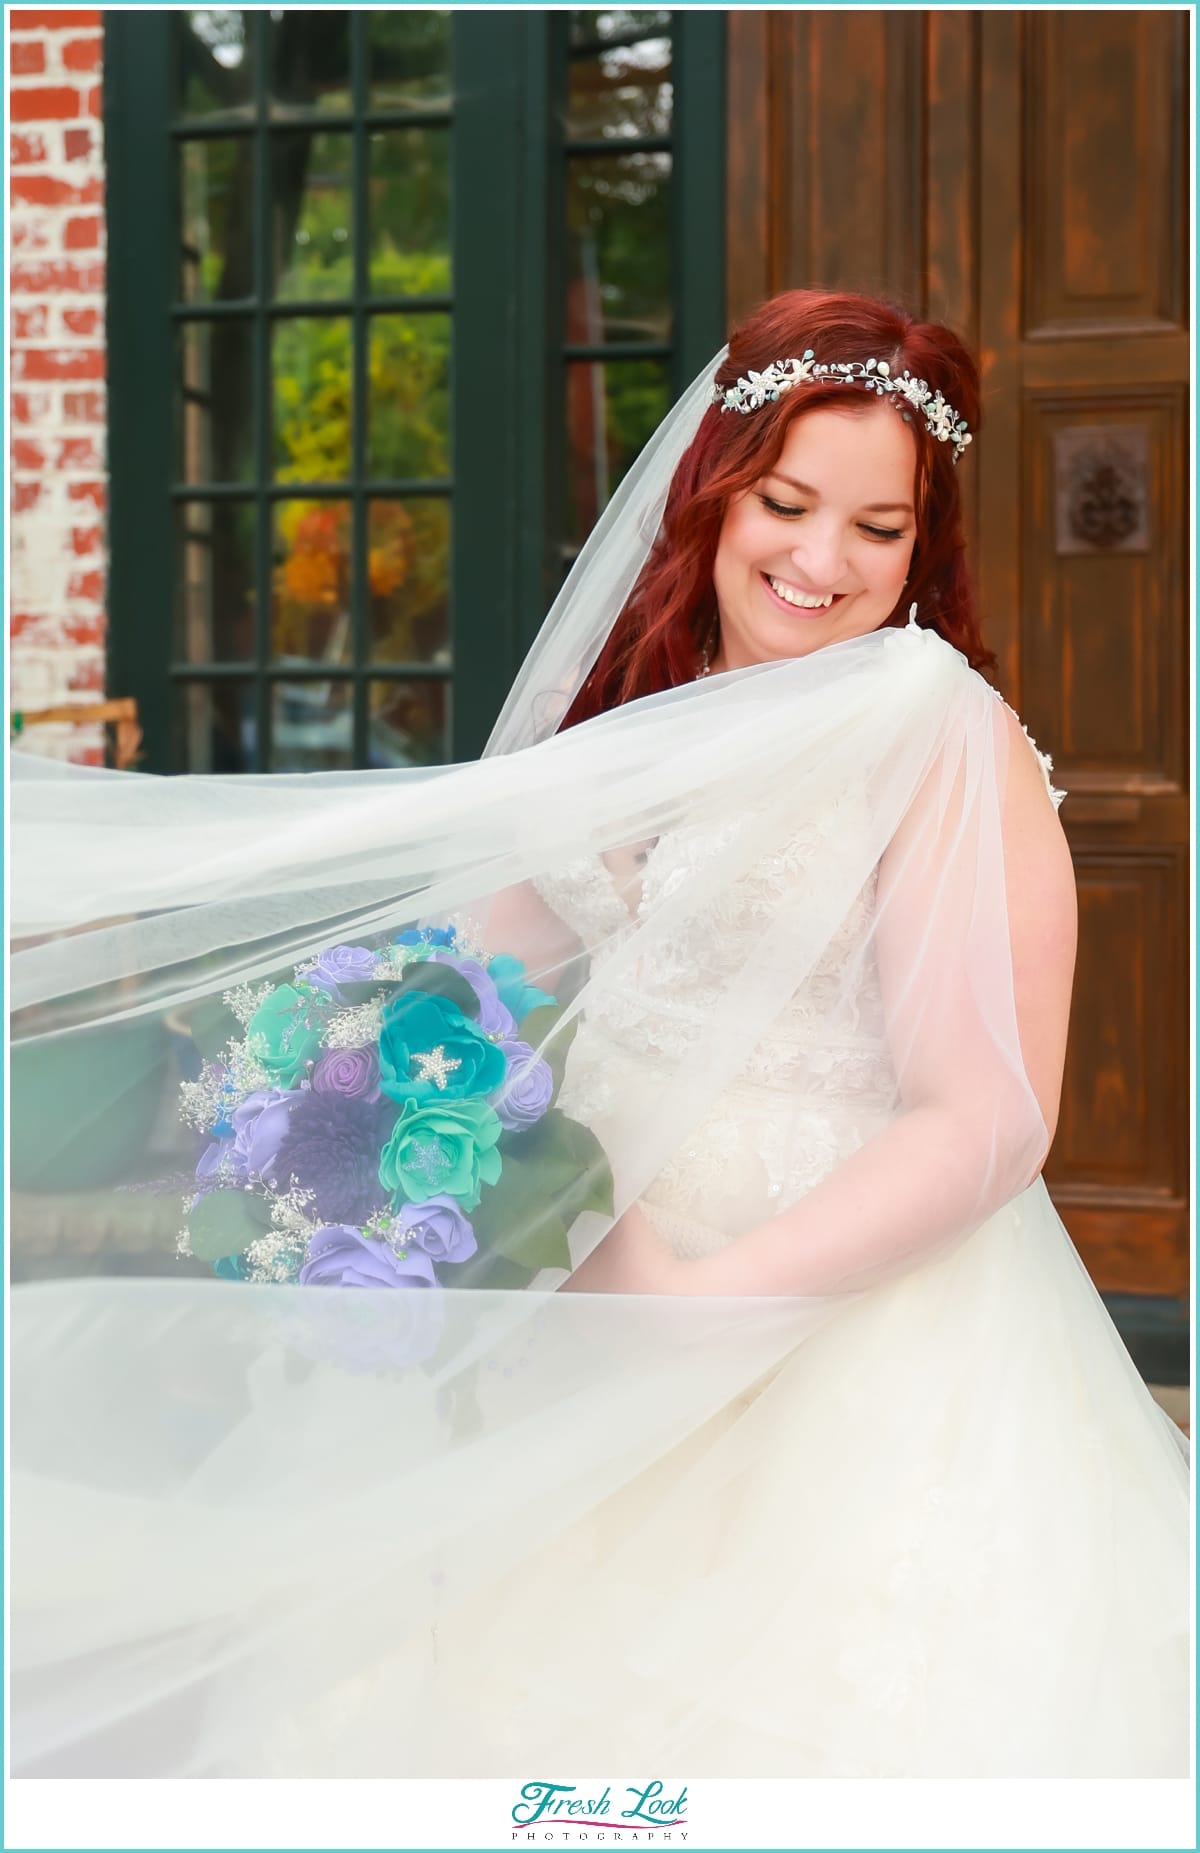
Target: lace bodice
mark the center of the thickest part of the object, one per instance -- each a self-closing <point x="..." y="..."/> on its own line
<point x="814" y="1087"/>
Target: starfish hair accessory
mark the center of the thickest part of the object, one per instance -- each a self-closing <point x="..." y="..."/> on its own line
<point x="757" y="389"/>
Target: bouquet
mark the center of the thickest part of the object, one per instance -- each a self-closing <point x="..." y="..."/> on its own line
<point x="381" y="1118"/>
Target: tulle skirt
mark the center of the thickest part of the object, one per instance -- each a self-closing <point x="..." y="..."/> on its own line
<point x="942" y="1532"/>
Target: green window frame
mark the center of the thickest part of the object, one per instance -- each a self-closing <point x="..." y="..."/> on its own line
<point x="515" y="152"/>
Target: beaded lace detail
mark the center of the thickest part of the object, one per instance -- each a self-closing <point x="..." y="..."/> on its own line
<point x="811" y="1090"/>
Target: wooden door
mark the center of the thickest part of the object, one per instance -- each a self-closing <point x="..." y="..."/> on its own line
<point x="1023" y="176"/>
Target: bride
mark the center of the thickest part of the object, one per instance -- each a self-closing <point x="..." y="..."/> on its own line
<point x="818" y="1454"/>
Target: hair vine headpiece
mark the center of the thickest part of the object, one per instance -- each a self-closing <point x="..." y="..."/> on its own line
<point x="755" y="389"/>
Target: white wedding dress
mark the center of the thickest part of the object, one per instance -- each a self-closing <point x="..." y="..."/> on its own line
<point x="944" y="1536"/>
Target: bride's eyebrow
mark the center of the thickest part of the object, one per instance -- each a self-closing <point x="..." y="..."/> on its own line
<point x="871" y="508"/>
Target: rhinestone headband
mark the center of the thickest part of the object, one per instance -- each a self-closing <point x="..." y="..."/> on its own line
<point x="756" y="389"/>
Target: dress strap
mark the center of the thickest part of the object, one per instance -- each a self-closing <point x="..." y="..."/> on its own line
<point x="1044" y="760"/>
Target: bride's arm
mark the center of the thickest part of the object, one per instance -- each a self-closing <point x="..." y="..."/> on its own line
<point x="977" y="1119"/>
<point x="520" y="922"/>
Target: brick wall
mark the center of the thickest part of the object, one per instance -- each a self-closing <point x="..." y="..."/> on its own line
<point x="58" y="556"/>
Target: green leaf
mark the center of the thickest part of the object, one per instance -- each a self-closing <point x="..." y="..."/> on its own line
<point x="442" y="981"/>
<point x="551" y="1174"/>
<point x="540" y="1023"/>
<point x="225" y="1222"/>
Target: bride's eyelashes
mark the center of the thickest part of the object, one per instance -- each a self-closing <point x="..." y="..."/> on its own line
<point x="781" y="508"/>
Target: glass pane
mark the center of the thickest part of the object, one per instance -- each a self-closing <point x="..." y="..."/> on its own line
<point x="310" y="582"/>
<point x="215" y="730"/>
<point x="612" y="408"/>
<point x="215" y="601"/>
<point x="408" y="58"/>
<point x="618" y="248"/>
<point x="311" y="217"/>
<point x="408" y="724"/>
<point x="408" y="573"/>
<point x="624" y="90"/>
<point x="216" y="181"/>
<point x="309" y="60"/>
<point x="409" y="396"/>
<point x="410" y="212"/>
<point x="591" y="26"/>
<point x="312" y="727"/>
<point x="216" y="402"/>
<point x="214" y="63"/>
<point x="310" y="368"/>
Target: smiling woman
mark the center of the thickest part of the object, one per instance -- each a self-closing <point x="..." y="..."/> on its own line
<point x="791" y="579"/>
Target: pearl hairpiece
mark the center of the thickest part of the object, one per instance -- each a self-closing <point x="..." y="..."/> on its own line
<point x="757" y="389"/>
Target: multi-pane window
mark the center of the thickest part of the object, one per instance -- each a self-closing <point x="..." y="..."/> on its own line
<point x="312" y="479"/>
<point x="434" y="276"/>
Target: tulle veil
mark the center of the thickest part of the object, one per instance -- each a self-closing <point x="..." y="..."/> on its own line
<point x="274" y="1482"/>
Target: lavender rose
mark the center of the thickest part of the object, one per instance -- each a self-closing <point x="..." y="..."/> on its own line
<point x="494" y="1018"/>
<point x="528" y="1087"/>
<point x="342" y="1256"/>
<point x="217" y="1158"/>
<point x="438" y="1227"/>
<point x="339" y="965"/>
<point x="352" y="1073"/>
<point x="332" y="1149"/>
<point x="260" y="1126"/>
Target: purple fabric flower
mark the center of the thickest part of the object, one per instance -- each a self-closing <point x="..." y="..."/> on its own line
<point x="439" y="1228"/>
<point x="260" y="1125"/>
<point x="342" y="1256"/>
<point x="528" y="1088"/>
<point x="217" y="1157"/>
<point x="495" y="1019"/>
<point x="352" y="1073"/>
<point x="339" y="965"/>
<point x="332" y="1148"/>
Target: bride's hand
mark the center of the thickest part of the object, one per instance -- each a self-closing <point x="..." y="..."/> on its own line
<point x="632" y="1258"/>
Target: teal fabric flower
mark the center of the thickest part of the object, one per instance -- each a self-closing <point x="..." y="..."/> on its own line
<point x="428" y="1051"/>
<point x="508" y="976"/>
<point x="445" y="1150"/>
<point x="280" y="1038"/>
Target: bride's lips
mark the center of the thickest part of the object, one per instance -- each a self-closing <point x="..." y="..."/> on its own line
<point x="800" y="611"/>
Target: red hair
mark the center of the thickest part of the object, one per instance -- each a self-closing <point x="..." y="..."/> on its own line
<point x="656" y="641"/>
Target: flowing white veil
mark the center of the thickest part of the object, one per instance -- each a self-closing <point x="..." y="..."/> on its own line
<point x="288" y="1496"/>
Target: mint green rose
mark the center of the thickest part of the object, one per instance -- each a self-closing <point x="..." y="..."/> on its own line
<point x="444" y="1150"/>
<point x="279" y="1037"/>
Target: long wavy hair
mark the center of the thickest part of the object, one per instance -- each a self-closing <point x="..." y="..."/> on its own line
<point x="657" y="640"/>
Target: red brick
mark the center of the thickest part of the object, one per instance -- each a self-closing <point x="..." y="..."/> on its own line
<point x="45" y="103"/>
<point x="86" y="755"/>
<point x="81" y="54"/>
<point x="86" y="540"/>
<point x="27" y="455"/>
<point x="89" y="584"/>
<point x="26" y="150"/>
<point x="83" y="234"/>
<point x="45" y="190"/>
<point x="77" y="143"/>
<point x="30" y="324"/>
<point x="29" y="408"/>
<point x="22" y="620"/>
<point x="78" y="454"/>
<point x="56" y="19"/>
<point x="95" y="493"/>
<point x="95" y="101"/>
<point x="28" y="58"/>
<point x="84" y="408"/>
<point x="58" y="363"/>
<point x="87" y="629"/>
<point x="25" y="496"/>
<point x="89" y="675"/>
<point x="55" y="276"/>
<point x="82" y="321"/>
<point x="31" y="234"/>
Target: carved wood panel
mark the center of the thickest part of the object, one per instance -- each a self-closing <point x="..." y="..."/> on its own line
<point x="1104" y="181"/>
<point x="1023" y="176"/>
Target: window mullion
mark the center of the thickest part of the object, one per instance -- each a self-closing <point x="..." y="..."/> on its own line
<point x="360" y="383"/>
<point x="264" y="460"/>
